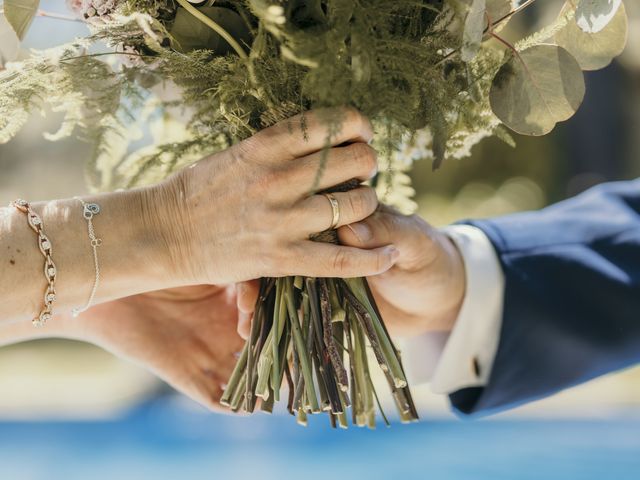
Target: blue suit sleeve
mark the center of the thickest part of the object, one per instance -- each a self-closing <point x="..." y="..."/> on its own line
<point x="572" y="296"/>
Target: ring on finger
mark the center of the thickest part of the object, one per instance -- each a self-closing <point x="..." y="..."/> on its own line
<point x="335" y="209"/>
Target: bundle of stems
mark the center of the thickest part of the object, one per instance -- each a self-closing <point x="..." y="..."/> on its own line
<point x="314" y="334"/>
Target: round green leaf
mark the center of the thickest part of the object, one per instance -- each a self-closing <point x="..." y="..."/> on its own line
<point x="20" y="14"/>
<point x="593" y="15"/>
<point x="473" y="30"/>
<point x="594" y="51"/>
<point x="537" y="88"/>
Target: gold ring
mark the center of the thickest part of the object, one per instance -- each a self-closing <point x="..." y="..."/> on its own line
<point x="335" y="208"/>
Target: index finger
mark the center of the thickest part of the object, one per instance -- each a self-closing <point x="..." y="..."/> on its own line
<point x="310" y="132"/>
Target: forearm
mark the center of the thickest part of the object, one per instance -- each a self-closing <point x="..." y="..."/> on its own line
<point x="131" y="256"/>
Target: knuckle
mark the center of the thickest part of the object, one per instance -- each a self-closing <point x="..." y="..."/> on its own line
<point x="360" y="204"/>
<point x="418" y="223"/>
<point x="358" y="121"/>
<point x="341" y="261"/>
<point x="371" y="198"/>
<point x="270" y="133"/>
<point x="242" y="152"/>
<point x="268" y="257"/>
<point x="388" y="223"/>
<point x="419" y="228"/>
<point x="296" y="215"/>
<point x="259" y="148"/>
<point x="365" y="157"/>
<point x="354" y="117"/>
<point x="294" y="218"/>
<point x="279" y="261"/>
<point x="265" y="223"/>
<point x="355" y="204"/>
<point x="266" y="182"/>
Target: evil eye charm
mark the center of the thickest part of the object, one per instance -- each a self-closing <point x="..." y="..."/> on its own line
<point x="91" y="209"/>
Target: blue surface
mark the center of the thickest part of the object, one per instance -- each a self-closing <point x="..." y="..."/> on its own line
<point x="164" y="440"/>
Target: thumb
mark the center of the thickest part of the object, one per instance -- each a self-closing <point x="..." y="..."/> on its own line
<point x="414" y="238"/>
<point x="383" y="227"/>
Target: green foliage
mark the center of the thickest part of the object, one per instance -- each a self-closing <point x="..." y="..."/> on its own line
<point x="408" y="65"/>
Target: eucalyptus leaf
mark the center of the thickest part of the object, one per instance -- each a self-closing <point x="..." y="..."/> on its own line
<point x="9" y="43"/>
<point x="594" y="51"/>
<point x="537" y="88"/>
<point x="473" y="30"/>
<point x="593" y="15"/>
<point x="191" y="34"/>
<point x="20" y="14"/>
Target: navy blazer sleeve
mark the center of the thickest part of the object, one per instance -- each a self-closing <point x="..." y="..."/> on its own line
<point x="572" y="296"/>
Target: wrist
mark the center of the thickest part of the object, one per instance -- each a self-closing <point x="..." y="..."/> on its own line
<point x="455" y="285"/>
<point x="166" y="222"/>
<point x="131" y="258"/>
<point x="445" y="279"/>
<point x="113" y="256"/>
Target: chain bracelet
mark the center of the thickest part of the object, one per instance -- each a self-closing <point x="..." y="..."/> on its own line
<point x="50" y="271"/>
<point x="88" y="211"/>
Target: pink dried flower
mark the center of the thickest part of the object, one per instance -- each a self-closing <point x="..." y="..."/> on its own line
<point x="75" y="6"/>
<point x="93" y="11"/>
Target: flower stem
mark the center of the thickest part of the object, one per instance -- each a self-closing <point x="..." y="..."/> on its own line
<point x="215" y="27"/>
<point x="232" y="384"/>
<point x="299" y="343"/>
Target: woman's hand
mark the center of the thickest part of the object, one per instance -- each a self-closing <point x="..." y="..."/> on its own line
<point x="244" y="213"/>
<point x="248" y="212"/>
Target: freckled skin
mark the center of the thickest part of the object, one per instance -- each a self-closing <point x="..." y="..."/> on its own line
<point x="12" y="261"/>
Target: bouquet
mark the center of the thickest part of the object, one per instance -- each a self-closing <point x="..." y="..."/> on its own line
<point x="434" y="76"/>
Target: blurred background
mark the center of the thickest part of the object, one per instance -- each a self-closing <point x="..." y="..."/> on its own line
<point x="70" y="411"/>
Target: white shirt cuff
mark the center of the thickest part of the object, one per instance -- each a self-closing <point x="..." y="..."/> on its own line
<point x="464" y="357"/>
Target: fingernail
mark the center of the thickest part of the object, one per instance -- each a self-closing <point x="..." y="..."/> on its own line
<point x="362" y="231"/>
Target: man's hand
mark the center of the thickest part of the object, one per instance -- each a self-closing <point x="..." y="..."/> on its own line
<point x="186" y="336"/>
<point x="422" y="292"/>
<point x="425" y="288"/>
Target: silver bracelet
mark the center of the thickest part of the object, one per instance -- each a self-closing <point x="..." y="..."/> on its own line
<point x="88" y="211"/>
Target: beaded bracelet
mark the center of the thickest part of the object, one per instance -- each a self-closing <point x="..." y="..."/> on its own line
<point x="50" y="271"/>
